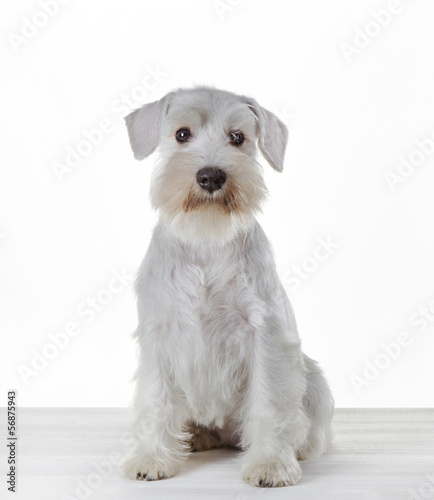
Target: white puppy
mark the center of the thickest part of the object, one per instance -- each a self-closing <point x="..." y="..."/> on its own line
<point x="220" y="356"/>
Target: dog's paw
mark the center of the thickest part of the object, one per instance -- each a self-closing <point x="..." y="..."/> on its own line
<point x="202" y="439"/>
<point x="272" y="474"/>
<point x="146" y="469"/>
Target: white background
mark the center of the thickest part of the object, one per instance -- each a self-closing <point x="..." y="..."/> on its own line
<point x="350" y="119"/>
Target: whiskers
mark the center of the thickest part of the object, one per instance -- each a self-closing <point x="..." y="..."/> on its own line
<point x="228" y="199"/>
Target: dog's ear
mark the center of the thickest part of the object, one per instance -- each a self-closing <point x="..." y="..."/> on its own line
<point x="272" y="135"/>
<point x="144" y="127"/>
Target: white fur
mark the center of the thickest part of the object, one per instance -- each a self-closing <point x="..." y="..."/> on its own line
<point x="220" y="356"/>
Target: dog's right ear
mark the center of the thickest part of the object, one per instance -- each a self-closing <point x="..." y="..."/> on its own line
<point x="144" y="127"/>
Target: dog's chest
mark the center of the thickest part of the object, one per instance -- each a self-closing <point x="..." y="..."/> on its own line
<point x="221" y="298"/>
<point x="219" y="306"/>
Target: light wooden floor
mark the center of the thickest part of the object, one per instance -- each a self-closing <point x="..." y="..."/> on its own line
<point x="376" y="454"/>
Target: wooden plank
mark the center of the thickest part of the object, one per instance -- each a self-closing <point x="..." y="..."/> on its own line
<point x="67" y="453"/>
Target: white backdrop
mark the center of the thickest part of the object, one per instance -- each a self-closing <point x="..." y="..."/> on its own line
<point x="351" y="216"/>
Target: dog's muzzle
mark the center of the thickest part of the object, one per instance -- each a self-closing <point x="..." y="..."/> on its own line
<point x="210" y="178"/>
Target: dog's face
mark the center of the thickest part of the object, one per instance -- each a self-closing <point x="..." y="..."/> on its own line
<point x="208" y="184"/>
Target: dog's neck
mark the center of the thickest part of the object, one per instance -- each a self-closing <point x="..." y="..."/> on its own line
<point x="207" y="227"/>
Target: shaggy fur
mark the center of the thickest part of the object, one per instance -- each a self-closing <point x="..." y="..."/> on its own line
<point x="220" y="356"/>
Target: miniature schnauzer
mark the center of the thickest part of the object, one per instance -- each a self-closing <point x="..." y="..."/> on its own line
<point x="220" y="357"/>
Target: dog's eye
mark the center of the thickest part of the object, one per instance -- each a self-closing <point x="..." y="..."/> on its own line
<point x="236" y="138"/>
<point x="183" y="135"/>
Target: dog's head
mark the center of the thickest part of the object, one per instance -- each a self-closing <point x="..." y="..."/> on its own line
<point x="208" y="184"/>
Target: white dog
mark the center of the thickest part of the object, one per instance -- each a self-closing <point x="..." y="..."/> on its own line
<point x="220" y="356"/>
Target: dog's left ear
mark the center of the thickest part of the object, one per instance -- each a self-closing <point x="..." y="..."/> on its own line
<point x="272" y="135"/>
<point x="144" y="127"/>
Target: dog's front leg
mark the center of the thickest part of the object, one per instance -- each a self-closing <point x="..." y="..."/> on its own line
<point x="274" y="424"/>
<point x="159" y="427"/>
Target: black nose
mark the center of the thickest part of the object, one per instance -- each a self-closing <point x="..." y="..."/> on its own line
<point x="211" y="178"/>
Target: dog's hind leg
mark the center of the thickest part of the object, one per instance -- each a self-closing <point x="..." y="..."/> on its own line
<point x="318" y="404"/>
<point x="203" y="438"/>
